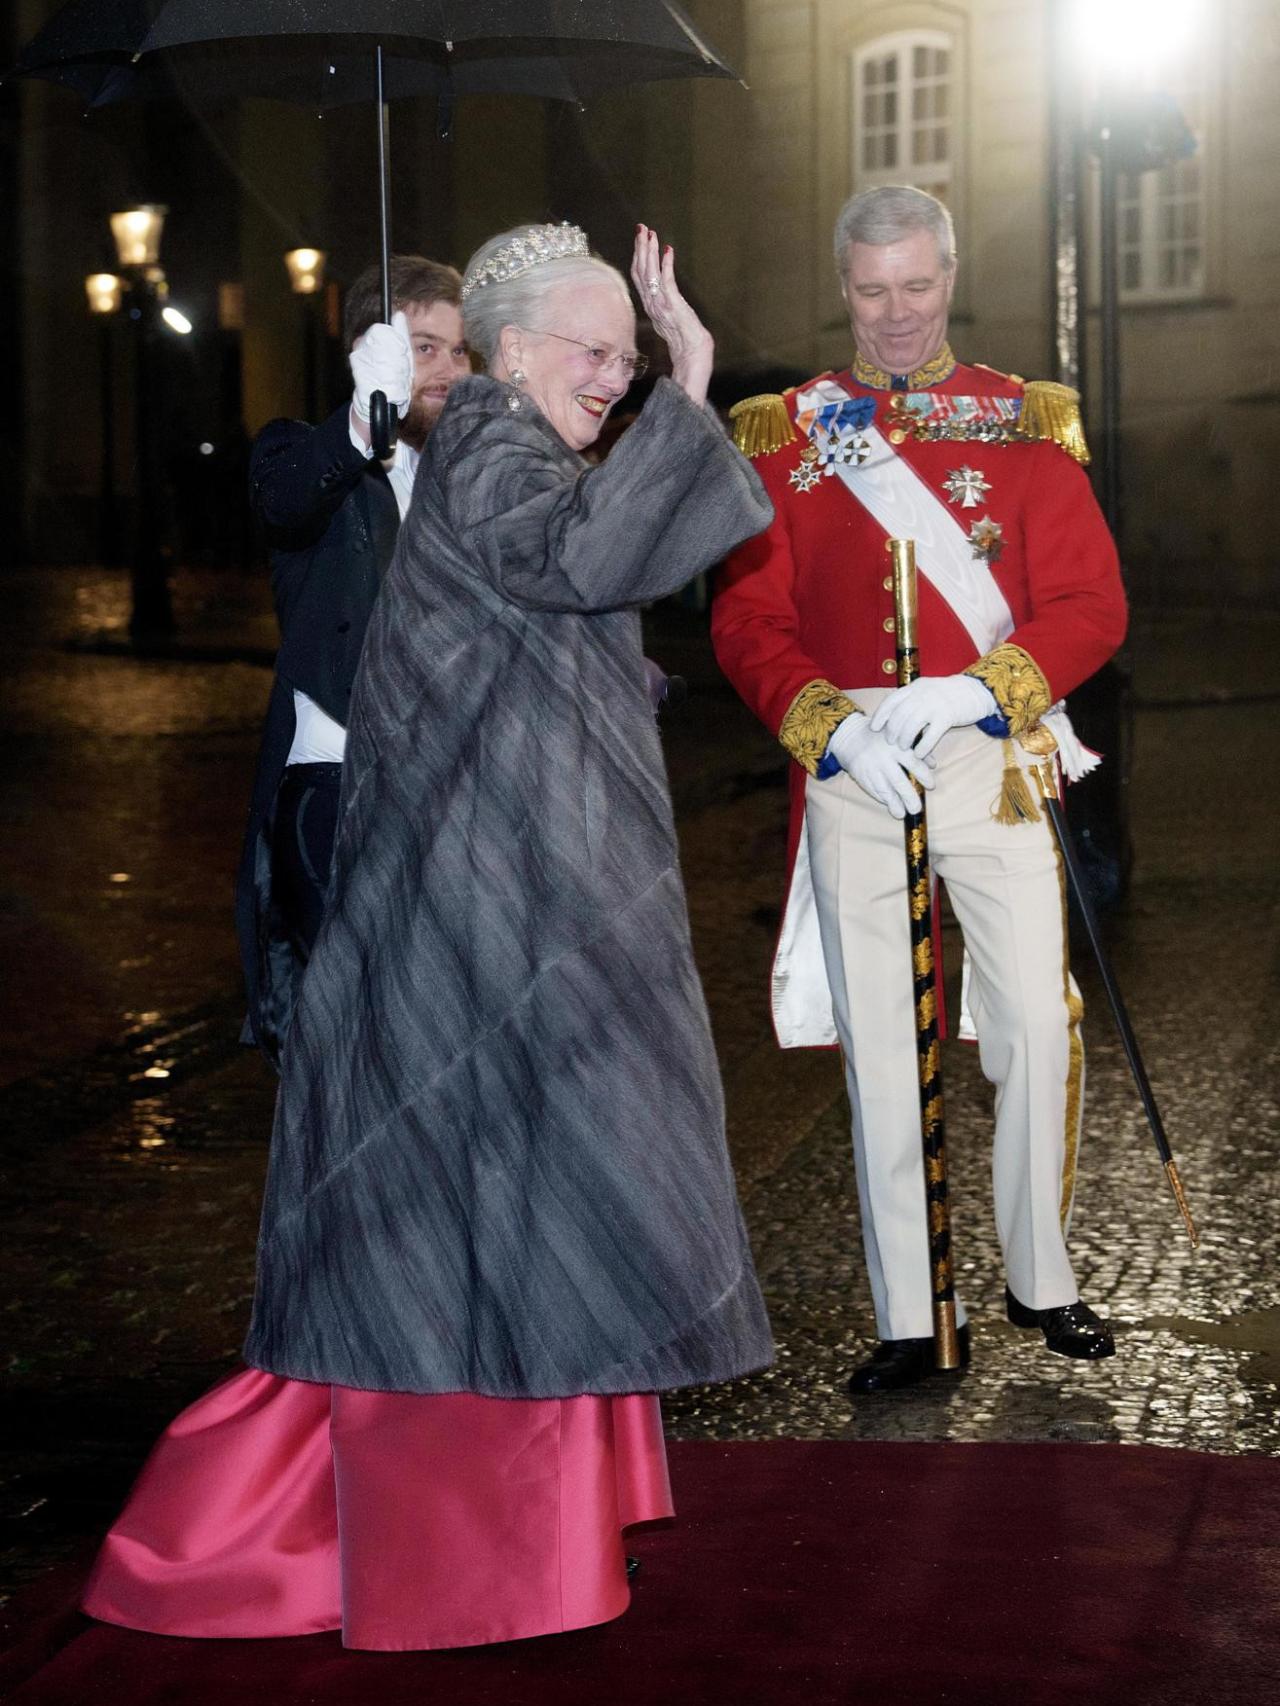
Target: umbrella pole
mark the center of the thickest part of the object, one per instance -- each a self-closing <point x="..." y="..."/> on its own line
<point x="381" y="420"/>
<point x="384" y="192"/>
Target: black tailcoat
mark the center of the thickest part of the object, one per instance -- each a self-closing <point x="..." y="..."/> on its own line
<point x="331" y="522"/>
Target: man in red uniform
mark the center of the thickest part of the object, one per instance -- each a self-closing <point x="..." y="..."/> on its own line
<point x="1020" y="600"/>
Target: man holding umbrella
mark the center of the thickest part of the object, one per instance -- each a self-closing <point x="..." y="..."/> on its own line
<point x="331" y="512"/>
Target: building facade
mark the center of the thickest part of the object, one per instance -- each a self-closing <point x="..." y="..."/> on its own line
<point x="953" y="95"/>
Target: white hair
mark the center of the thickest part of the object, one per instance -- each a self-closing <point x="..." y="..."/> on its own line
<point x="887" y="215"/>
<point x="525" y="299"/>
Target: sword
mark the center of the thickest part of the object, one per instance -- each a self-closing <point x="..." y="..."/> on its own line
<point x="1047" y="782"/>
<point x="946" y="1343"/>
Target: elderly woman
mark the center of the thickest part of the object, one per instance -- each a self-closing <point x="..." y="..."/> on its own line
<point x="499" y="1215"/>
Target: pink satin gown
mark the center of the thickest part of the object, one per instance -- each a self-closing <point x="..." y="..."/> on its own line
<point x="275" y="1507"/>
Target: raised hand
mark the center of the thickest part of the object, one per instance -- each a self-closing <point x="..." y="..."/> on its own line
<point x="689" y="343"/>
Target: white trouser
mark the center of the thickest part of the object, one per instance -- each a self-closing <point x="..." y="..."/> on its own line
<point x="1005" y="887"/>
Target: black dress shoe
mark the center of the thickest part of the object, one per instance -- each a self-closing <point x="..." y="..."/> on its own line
<point x="896" y="1363"/>
<point x="1073" y="1330"/>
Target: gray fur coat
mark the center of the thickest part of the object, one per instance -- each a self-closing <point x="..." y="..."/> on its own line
<point x="499" y="1162"/>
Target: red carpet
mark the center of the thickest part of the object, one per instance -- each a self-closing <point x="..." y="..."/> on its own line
<point x="825" y="1574"/>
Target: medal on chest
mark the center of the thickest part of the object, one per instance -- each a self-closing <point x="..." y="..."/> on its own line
<point x="987" y="539"/>
<point x="933" y="416"/>
<point x="966" y="486"/>
<point x="836" y="440"/>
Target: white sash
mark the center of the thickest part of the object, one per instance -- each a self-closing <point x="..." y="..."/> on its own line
<point x="894" y="495"/>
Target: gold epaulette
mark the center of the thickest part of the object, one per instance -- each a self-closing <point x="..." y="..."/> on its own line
<point x="761" y="424"/>
<point x="1052" y="411"/>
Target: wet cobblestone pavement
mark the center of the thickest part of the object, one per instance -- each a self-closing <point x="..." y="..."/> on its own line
<point x="135" y="1128"/>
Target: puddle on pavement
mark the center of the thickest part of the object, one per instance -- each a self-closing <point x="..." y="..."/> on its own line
<point x="1254" y="1332"/>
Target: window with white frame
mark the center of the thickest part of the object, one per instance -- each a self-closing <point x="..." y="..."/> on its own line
<point x="1162" y="213"/>
<point x="904" y="118"/>
<point x="1162" y="232"/>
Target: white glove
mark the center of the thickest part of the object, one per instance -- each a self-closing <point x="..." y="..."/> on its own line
<point x="919" y="715"/>
<point x="382" y="360"/>
<point x="878" y="768"/>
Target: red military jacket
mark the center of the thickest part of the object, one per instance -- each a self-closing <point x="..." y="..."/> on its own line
<point x="810" y="600"/>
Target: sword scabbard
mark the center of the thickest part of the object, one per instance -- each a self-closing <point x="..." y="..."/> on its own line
<point x="1047" y="781"/>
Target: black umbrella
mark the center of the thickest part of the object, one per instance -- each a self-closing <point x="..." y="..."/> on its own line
<point x="325" y="53"/>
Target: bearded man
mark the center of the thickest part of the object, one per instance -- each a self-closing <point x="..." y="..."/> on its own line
<point x="331" y="512"/>
<point x="1020" y="600"/>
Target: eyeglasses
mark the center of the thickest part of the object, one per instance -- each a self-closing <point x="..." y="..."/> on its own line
<point x="632" y="366"/>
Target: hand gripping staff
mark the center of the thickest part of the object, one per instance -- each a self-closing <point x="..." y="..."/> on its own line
<point x="1042" y="745"/>
<point x="946" y="1345"/>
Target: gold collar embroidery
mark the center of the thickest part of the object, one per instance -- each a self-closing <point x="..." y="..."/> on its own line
<point x="941" y="367"/>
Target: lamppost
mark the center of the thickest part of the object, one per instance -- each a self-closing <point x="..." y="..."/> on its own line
<point x="137" y="232"/>
<point x="1126" y="46"/>
<point x="306" y="279"/>
<point x="1106" y="51"/>
<point x="104" y="291"/>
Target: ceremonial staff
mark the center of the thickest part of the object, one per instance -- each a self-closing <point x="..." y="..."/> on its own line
<point x="1042" y="745"/>
<point x="946" y="1344"/>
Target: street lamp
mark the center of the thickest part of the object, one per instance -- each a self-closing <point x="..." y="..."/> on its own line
<point x="137" y="231"/>
<point x="1116" y="50"/>
<point x="105" y="292"/>
<point x="306" y="270"/>
<point x="1123" y="47"/>
<point x="1128" y="38"/>
<point x="306" y="279"/>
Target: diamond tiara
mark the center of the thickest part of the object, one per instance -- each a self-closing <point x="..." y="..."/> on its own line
<point x="540" y="243"/>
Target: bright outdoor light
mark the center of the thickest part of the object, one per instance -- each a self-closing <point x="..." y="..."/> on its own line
<point x="104" y="291"/>
<point x="175" y="319"/>
<point x="137" y="234"/>
<point x="1129" y="37"/>
<point x="306" y="270"/>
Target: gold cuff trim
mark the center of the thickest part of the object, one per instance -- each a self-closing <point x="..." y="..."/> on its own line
<point x="814" y="714"/>
<point x="1051" y="412"/>
<point x="1018" y="683"/>
<point x="761" y="424"/>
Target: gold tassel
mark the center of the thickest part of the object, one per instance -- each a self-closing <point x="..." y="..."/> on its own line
<point x="1016" y="803"/>
<point x="1051" y="411"/>
<point x="761" y="424"/>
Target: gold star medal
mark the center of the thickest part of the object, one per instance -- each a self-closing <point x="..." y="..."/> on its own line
<point x="987" y="539"/>
<point x="966" y="486"/>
